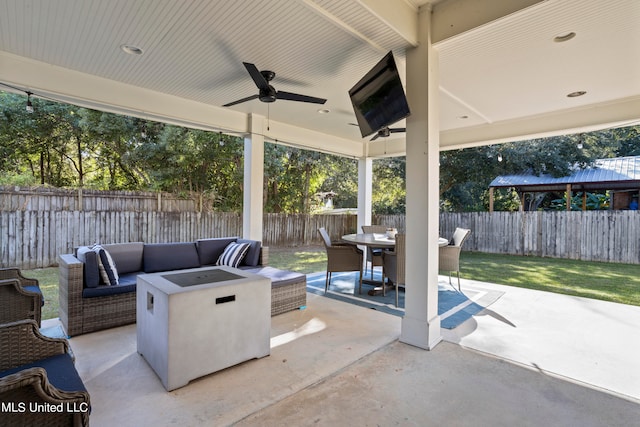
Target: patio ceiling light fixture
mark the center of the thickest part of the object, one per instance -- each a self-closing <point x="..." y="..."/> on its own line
<point x="560" y="38"/>
<point x="576" y="94"/>
<point x="131" y="49"/>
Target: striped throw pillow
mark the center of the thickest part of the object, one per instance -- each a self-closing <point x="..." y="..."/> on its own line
<point x="233" y="254"/>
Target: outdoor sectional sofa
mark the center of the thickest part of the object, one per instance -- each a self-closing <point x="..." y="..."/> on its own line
<point x="87" y="304"/>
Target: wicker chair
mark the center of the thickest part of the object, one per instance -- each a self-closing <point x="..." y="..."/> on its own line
<point x="341" y="257"/>
<point x="48" y="361"/>
<point x="20" y="297"/>
<point x="374" y="255"/>
<point x="449" y="256"/>
<point x="393" y="264"/>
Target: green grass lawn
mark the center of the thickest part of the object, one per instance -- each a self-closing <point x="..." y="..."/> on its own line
<point x="599" y="280"/>
<point x="48" y="280"/>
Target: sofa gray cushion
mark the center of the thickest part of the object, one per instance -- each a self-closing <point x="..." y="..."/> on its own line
<point x="169" y="256"/>
<point x="278" y="277"/>
<point x="126" y="256"/>
<point x="91" y="272"/>
<point x="209" y="250"/>
<point x="252" y="257"/>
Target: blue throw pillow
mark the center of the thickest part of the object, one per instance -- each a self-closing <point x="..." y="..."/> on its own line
<point x="233" y="254"/>
<point x="91" y="270"/>
<point x="106" y="266"/>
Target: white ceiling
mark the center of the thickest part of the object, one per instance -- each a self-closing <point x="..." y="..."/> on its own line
<point x="506" y="76"/>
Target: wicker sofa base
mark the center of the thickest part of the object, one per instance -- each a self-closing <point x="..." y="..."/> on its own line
<point x="288" y="297"/>
<point x="83" y="315"/>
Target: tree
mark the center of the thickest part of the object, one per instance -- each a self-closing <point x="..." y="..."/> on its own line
<point x="465" y="174"/>
<point x="389" y="186"/>
<point x="39" y="143"/>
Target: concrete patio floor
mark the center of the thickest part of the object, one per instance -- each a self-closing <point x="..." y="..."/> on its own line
<point x="532" y="358"/>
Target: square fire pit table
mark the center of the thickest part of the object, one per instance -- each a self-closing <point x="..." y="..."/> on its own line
<point x="194" y="322"/>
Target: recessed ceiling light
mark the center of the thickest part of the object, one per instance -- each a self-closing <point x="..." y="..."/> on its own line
<point x="324" y="111"/>
<point x="576" y="94"/>
<point x="131" y="49"/>
<point x="564" y="37"/>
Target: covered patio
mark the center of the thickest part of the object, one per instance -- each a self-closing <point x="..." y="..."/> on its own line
<point x="532" y="358"/>
<point x="476" y="72"/>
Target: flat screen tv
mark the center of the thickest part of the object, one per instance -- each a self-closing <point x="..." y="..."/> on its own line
<point x="378" y="98"/>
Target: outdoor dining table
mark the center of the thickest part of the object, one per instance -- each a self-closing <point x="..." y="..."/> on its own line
<point x="377" y="240"/>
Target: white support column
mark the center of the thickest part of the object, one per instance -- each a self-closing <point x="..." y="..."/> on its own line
<point x="421" y="323"/>
<point x="252" y="207"/>
<point x="365" y="191"/>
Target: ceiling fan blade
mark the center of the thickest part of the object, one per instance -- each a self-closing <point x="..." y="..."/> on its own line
<point x="248" y="98"/>
<point x="377" y="135"/>
<point x="257" y="77"/>
<point x="397" y="130"/>
<point x="301" y="98"/>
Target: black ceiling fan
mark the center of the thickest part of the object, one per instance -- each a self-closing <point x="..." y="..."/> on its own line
<point x="386" y="131"/>
<point x="267" y="93"/>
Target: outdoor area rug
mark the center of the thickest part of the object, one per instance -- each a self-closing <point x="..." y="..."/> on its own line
<point x="453" y="307"/>
<point x="53" y="332"/>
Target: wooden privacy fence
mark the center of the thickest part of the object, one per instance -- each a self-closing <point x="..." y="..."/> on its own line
<point x="610" y="236"/>
<point x="36" y="226"/>
<point x="33" y="239"/>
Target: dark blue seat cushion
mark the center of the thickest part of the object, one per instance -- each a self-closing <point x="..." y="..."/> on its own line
<point x="106" y="290"/>
<point x="36" y="290"/>
<point x="170" y="256"/>
<point x="129" y="278"/>
<point x="60" y="372"/>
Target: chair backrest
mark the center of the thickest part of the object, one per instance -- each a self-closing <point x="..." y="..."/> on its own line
<point x="325" y="237"/>
<point x="374" y="229"/>
<point x="460" y="235"/>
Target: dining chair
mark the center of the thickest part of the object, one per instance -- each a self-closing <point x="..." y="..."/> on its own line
<point x="20" y="297"/>
<point x="374" y="255"/>
<point x="340" y="257"/>
<point x="393" y="265"/>
<point x="449" y="256"/>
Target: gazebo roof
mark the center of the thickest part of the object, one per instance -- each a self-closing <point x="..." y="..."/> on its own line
<point x="606" y="174"/>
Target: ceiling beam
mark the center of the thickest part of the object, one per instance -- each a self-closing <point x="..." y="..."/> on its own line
<point x="453" y="17"/>
<point x="401" y="17"/>
<point x="618" y="113"/>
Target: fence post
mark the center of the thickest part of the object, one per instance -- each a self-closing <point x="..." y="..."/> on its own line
<point x="80" y="202"/>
